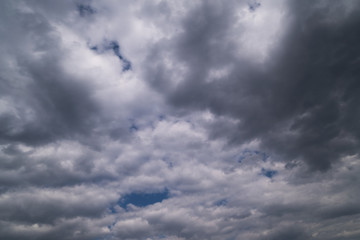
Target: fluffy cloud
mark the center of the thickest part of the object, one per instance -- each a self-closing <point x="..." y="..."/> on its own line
<point x="179" y="120"/>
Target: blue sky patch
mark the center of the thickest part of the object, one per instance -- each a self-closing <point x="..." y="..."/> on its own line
<point x="162" y="117"/>
<point x="253" y="154"/>
<point x="85" y="10"/>
<point x="221" y="202"/>
<point x="143" y="199"/>
<point x="116" y="48"/>
<point x="254" y="5"/>
<point x="133" y="127"/>
<point x="112" y="209"/>
<point x="268" y="172"/>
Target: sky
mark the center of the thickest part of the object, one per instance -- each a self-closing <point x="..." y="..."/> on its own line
<point x="179" y="120"/>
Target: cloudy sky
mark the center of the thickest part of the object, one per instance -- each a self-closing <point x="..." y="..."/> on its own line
<point x="179" y="120"/>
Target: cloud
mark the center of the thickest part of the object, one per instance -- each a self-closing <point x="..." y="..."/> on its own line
<point x="179" y="120"/>
<point x="298" y="101"/>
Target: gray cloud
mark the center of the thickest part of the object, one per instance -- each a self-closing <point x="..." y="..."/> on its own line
<point x="45" y="103"/>
<point x="300" y="102"/>
<point x="208" y="120"/>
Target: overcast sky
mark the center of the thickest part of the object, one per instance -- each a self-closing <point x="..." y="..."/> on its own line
<point x="179" y="120"/>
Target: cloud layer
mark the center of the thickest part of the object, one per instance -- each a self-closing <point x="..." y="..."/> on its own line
<point x="179" y="120"/>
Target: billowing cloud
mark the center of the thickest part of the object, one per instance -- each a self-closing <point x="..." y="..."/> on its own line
<point x="179" y="120"/>
<point x="294" y="92"/>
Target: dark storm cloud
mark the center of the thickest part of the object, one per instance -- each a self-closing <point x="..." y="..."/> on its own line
<point x="301" y="102"/>
<point x="46" y="102"/>
<point x="51" y="103"/>
<point x="63" y="107"/>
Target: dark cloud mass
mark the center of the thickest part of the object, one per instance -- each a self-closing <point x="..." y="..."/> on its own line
<point x="179" y="120"/>
<point x="300" y="102"/>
